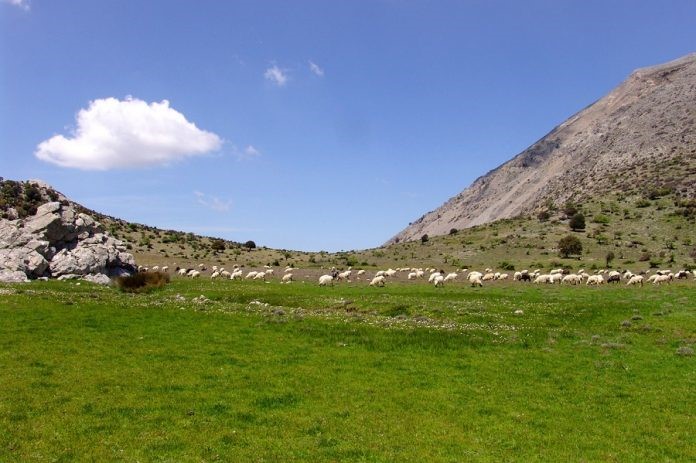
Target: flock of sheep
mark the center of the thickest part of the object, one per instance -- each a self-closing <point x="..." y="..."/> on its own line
<point x="438" y="278"/>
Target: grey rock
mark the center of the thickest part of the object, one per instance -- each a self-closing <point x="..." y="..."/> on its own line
<point x="98" y="278"/>
<point x="59" y="242"/>
<point x="13" y="276"/>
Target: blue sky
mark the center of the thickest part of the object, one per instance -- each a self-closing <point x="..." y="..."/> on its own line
<point x="309" y="125"/>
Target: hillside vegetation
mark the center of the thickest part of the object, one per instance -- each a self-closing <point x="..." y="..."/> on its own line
<point x="654" y="228"/>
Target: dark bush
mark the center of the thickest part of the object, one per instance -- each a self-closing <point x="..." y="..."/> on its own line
<point x="577" y="222"/>
<point x="569" y="245"/>
<point x="142" y="282"/>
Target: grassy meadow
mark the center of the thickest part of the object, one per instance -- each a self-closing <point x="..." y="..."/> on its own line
<point x="208" y="370"/>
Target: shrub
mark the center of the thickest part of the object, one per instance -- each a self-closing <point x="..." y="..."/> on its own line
<point x="569" y="245"/>
<point x="543" y="216"/>
<point x="505" y="265"/>
<point x="142" y="282"/>
<point x="600" y="218"/>
<point x="577" y="222"/>
<point x="250" y="245"/>
<point x="424" y="238"/>
<point x="453" y="231"/>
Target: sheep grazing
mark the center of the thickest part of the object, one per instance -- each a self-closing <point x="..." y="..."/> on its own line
<point x="361" y="272"/>
<point x="182" y="271"/>
<point x="681" y="274"/>
<point x="662" y="279"/>
<point x="251" y="275"/>
<point x="503" y="276"/>
<point x="214" y="275"/>
<point x="325" y="280"/>
<point x="526" y="277"/>
<point x="288" y="269"/>
<point x="378" y="281"/>
<point x="595" y="280"/>
<point x="390" y="272"/>
<point x="545" y="278"/>
<point x="572" y="279"/>
<point x="614" y="277"/>
<point x="451" y="276"/>
<point x="344" y="275"/>
<point x="164" y="269"/>
<point x="194" y="274"/>
<point x="412" y="276"/>
<point x="476" y="282"/>
<point x="236" y="274"/>
<point x="260" y="276"/>
<point x="287" y="278"/>
<point x="556" y="278"/>
<point x="439" y="280"/>
<point x="635" y="280"/>
<point x="488" y="276"/>
<point x="474" y="276"/>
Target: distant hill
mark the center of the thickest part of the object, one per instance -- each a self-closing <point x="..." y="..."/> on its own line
<point x="640" y="139"/>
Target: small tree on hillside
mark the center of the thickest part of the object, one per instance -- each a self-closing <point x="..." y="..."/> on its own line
<point x="217" y="245"/>
<point x="424" y="238"/>
<point x="609" y="257"/>
<point x="577" y="222"/>
<point x="569" y="245"/>
<point x="250" y="245"/>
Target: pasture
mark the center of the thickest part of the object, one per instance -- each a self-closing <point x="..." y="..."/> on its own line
<point x="210" y="370"/>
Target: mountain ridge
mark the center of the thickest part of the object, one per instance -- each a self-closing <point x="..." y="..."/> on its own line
<point x="629" y="139"/>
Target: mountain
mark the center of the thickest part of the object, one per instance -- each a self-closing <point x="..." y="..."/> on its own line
<point x="640" y="137"/>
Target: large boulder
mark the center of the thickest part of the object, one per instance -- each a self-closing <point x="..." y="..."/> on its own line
<point x="57" y="241"/>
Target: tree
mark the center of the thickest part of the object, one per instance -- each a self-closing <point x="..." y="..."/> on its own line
<point x="609" y="257"/>
<point x="250" y="245"/>
<point x="218" y="245"/>
<point x="569" y="245"/>
<point x="424" y="238"/>
<point x="577" y="222"/>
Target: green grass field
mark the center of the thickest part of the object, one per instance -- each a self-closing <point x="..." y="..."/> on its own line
<point x="281" y="373"/>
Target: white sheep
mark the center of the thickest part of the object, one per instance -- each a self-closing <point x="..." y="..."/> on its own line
<point x="476" y="281"/>
<point x="344" y="275"/>
<point x="326" y="280"/>
<point x="503" y="276"/>
<point x="595" y="280"/>
<point x="572" y="278"/>
<point x="378" y="281"/>
<point x="488" y="276"/>
<point x="439" y="280"/>
<point x="412" y="276"/>
<point x="165" y="269"/>
<point x="451" y="276"/>
<point x="544" y="278"/>
<point x="635" y="280"/>
<point x="251" y="275"/>
<point x="182" y="272"/>
<point x="214" y="275"/>
<point x="662" y="279"/>
<point x="287" y="278"/>
<point x="194" y="274"/>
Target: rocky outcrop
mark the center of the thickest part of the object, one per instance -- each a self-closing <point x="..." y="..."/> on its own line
<point x="59" y="241"/>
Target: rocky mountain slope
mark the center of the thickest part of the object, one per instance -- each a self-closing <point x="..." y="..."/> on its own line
<point x="639" y="137"/>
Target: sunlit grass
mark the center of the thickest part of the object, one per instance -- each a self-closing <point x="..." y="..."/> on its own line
<point x="267" y="372"/>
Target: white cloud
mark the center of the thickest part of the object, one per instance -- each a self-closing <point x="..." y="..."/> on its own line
<point x="114" y="134"/>
<point x="250" y="153"/>
<point x="276" y="75"/>
<point x="212" y="202"/>
<point x="316" y="69"/>
<point x="23" y="4"/>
